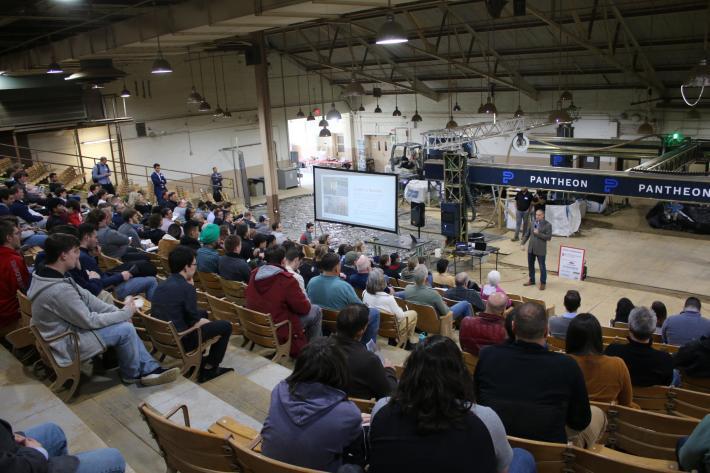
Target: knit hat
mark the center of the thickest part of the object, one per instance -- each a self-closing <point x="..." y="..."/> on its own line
<point x="209" y="234"/>
<point x="263" y="218"/>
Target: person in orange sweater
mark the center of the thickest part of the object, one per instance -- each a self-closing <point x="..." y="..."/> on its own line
<point x="607" y="377"/>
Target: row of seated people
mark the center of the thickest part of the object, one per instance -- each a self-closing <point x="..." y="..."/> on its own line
<point x="190" y="263"/>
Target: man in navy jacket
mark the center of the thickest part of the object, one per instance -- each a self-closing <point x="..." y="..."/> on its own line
<point x="159" y="184"/>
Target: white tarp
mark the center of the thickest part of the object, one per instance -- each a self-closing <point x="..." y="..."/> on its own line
<point x="416" y="191"/>
<point x="565" y="219"/>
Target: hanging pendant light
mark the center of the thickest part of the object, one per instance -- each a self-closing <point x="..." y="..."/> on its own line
<point x="519" y="113"/>
<point x="480" y="107"/>
<point x="353" y="89"/>
<point x="300" y="113"/>
<point x="204" y="104"/>
<point x="559" y="115"/>
<point x="390" y="32"/>
<point x="125" y="93"/>
<point x="310" y="117"/>
<point x="451" y="123"/>
<point x="361" y="108"/>
<point x="490" y="107"/>
<point x="645" y="128"/>
<point x="457" y="107"/>
<point x="566" y="96"/>
<point x="226" y="113"/>
<point x="416" y="118"/>
<point x="377" y="108"/>
<point x="333" y="113"/>
<point x="194" y="96"/>
<point x="160" y="64"/>
<point x="54" y="68"/>
<point x="218" y="112"/>
<point x="324" y="132"/>
<point x="396" y="112"/>
<point x="323" y="122"/>
<point x="699" y="77"/>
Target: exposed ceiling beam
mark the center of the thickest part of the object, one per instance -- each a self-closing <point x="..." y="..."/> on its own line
<point x="518" y="80"/>
<point x="650" y="71"/>
<point x="556" y="27"/>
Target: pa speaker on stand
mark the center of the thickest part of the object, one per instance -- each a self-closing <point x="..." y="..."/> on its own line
<point x="418" y="216"/>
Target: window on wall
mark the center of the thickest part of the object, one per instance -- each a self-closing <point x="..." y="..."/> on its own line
<point x="339" y="143"/>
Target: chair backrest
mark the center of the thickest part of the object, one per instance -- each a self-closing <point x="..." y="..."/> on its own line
<point x="695" y="384"/>
<point x="259" y="328"/>
<point x="108" y="262"/>
<point x="223" y="309"/>
<point x="330" y="319"/>
<point x="253" y="462"/>
<point x="401" y="303"/>
<point x="642" y="433"/>
<point x="25" y="307"/>
<point x="427" y="318"/>
<point x="211" y="283"/>
<point x="470" y="361"/>
<point x="534" y="301"/>
<point x="623" y="332"/>
<point x="556" y="344"/>
<point x="234" y="291"/>
<point x="358" y="292"/>
<point x="673" y="401"/>
<point x="389" y="326"/>
<point x="186" y="449"/>
<point x="365" y="405"/>
<point x="549" y="457"/>
<point x="621" y="325"/>
<point x="515" y="297"/>
<point x="164" y="336"/>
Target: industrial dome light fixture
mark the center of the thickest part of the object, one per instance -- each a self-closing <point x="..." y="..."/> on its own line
<point x="457" y="107"/>
<point x="333" y="113"/>
<point x="645" y="128"/>
<point x="324" y="132"/>
<point x="300" y="113"/>
<point x="519" y="113"/>
<point x="310" y="117"/>
<point x="416" y="118"/>
<point x="353" y="89"/>
<point x="323" y="122"/>
<point x="54" y="68"/>
<point x="396" y="112"/>
<point x="451" y="123"/>
<point x="194" y="96"/>
<point x="204" y="105"/>
<point x="559" y="115"/>
<point x="391" y="32"/>
<point x="125" y="93"/>
<point x="566" y="96"/>
<point x="699" y="77"/>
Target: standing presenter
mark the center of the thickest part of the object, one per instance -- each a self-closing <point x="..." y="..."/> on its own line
<point x="539" y="233"/>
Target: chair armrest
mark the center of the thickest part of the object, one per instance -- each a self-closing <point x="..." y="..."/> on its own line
<point x="73" y="339"/>
<point x="185" y="413"/>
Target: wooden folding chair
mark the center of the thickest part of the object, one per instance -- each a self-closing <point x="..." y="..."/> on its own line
<point x="429" y="321"/>
<point x="186" y="449"/>
<point x="254" y="462"/>
<point x="644" y="433"/>
<point x="358" y="292"/>
<point x="673" y="401"/>
<point x="108" y="262"/>
<point x="470" y="361"/>
<point x="330" y="320"/>
<point x="549" y="457"/>
<point x="392" y="328"/>
<point x="63" y="374"/>
<point x="234" y="291"/>
<point x="402" y="303"/>
<point x="211" y="283"/>
<point x="623" y="332"/>
<point x="365" y="405"/>
<point x="695" y="384"/>
<point x="556" y="344"/>
<point x="202" y="303"/>
<point x="168" y="341"/>
<point x="260" y="330"/>
<point x="223" y="309"/>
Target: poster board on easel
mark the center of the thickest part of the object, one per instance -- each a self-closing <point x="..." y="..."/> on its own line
<point x="571" y="263"/>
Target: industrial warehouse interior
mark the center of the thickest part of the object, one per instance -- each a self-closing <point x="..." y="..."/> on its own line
<point x="349" y="236"/>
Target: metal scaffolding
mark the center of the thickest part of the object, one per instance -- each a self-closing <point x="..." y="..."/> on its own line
<point x="455" y="186"/>
<point x="453" y="139"/>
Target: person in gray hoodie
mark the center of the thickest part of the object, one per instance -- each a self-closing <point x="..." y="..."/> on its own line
<point x="60" y="305"/>
<point x="311" y="423"/>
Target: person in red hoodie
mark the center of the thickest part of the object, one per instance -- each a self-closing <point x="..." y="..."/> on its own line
<point x="74" y="216"/>
<point x="273" y="290"/>
<point x="13" y="274"/>
<point x="487" y="328"/>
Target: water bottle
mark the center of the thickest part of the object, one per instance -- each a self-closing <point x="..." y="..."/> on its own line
<point x="422" y="337"/>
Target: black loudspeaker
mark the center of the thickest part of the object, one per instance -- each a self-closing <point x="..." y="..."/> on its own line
<point x="140" y="129"/>
<point x="519" y="7"/>
<point x="252" y="55"/>
<point x="377" y="92"/>
<point x="418" y="214"/>
<point x="450" y="221"/>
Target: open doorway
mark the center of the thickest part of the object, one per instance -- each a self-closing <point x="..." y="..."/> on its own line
<point x="334" y="150"/>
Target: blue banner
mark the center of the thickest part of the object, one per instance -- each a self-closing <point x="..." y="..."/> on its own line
<point x="584" y="181"/>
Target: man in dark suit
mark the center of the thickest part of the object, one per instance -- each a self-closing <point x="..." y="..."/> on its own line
<point x="43" y="448"/>
<point x="539" y="233"/>
<point x="159" y="184"/>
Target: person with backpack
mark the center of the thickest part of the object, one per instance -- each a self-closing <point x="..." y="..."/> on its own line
<point x="101" y="174"/>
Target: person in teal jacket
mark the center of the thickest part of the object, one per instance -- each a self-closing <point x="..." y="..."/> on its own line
<point x="694" y="451"/>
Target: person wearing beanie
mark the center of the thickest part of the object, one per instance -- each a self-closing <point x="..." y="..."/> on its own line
<point x="207" y="255"/>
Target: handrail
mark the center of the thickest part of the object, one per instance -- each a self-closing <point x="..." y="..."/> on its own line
<point x="228" y="182"/>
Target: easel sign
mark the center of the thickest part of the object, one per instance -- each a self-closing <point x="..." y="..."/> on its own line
<point x="571" y="263"/>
